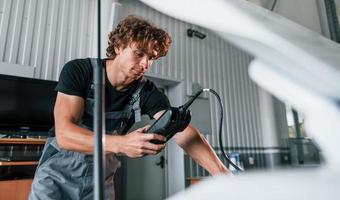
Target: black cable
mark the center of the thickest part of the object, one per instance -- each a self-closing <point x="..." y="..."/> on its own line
<point x="220" y="131"/>
<point x="186" y="106"/>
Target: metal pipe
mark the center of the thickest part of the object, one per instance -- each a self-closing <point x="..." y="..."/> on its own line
<point x="99" y="123"/>
<point x="273" y="6"/>
<point x="299" y="138"/>
<point x="333" y="23"/>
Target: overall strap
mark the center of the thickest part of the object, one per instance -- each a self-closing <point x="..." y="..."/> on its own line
<point x="135" y="100"/>
<point x="124" y="118"/>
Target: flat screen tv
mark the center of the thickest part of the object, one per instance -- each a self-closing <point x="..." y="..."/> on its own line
<point x="26" y="103"/>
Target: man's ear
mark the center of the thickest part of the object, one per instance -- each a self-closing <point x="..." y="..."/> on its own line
<point x="118" y="50"/>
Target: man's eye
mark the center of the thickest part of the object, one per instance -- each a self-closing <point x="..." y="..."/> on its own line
<point x="139" y="53"/>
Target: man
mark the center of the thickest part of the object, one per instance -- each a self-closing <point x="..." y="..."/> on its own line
<point x="65" y="169"/>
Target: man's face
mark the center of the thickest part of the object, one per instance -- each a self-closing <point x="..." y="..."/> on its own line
<point x="134" y="62"/>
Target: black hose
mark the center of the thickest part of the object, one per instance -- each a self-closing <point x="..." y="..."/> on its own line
<point x="220" y="131"/>
<point x="186" y="106"/>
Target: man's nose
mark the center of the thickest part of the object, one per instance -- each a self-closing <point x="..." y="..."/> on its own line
<point x="145" y="62"/>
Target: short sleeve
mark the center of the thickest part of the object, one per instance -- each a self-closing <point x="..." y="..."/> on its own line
<point x="75" y="78"/>
<point x="154" y="100"/>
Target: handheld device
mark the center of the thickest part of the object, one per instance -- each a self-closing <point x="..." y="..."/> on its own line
<point x="175" y="120"/>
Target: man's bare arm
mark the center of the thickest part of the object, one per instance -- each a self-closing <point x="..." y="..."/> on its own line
<point x="68" y="112"/>
<point x="198" y="148"/>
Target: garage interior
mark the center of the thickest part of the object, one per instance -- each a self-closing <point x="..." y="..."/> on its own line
<point x="274" y="63"/>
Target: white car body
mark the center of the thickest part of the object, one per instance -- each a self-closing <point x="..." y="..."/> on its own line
<point x="294" y="64"/>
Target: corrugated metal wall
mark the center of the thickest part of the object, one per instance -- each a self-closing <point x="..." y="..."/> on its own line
<point x="215" y="64"/>
<point x="45" y="33"/>
<point x="48" y="33"/>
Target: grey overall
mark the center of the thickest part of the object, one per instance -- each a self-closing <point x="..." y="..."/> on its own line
<point x="63" y="174"/>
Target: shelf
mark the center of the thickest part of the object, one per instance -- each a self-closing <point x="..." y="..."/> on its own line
<point x="193" y="180"/>
<point x="9" y="163"/>
<point x="15" y="189"/>
<point x="21" y="141"/>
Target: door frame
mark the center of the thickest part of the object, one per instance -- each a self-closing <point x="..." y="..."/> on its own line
<point x="174" y="155"/>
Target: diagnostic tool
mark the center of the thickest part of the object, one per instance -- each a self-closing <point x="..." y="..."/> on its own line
<point x="175" y="120"/>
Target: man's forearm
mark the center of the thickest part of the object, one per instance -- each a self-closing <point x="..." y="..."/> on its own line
<point x="75" y="138"/>
<point x="199" y="150"/>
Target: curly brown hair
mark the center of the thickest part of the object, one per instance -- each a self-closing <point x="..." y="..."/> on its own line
<point x="154" y="41"/>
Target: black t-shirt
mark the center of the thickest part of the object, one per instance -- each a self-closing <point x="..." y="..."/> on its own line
<point x="76" y="78"/>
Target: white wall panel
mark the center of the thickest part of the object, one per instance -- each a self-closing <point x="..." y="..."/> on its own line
<point x="4" y="25"/>
<point x="48" y="33"/>
<point x="45" y="34"/>
<point x="27" y="33"/>
<point x="215" y="64"/>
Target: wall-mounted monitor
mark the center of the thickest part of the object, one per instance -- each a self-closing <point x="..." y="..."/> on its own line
<point x="26" y="103"/>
